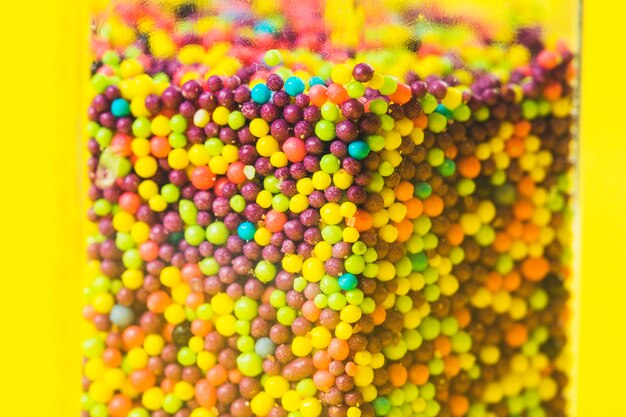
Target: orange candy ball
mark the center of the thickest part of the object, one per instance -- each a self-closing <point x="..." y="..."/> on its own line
<point x="119" y="406"/>
<point x="205" y="393"/>
<point x="294" y="149"/>
<point x="202" y="178"/>
<point x="275" y="221"/>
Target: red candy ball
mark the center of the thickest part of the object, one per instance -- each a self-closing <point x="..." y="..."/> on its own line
<point x="202" y="178"/>
<point x="294" y="149"/>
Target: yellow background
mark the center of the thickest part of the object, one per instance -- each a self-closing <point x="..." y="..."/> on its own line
<point x="40" y="254"/>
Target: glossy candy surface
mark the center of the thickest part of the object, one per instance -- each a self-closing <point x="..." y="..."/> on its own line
<point x="294" y="223"/>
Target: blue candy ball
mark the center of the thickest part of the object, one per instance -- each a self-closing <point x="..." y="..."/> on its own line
<point x="347" y="282"/>
<point x="246" y="231"/>
<point x="261" y="94"/>
<point x="315" y="80"/>
<point x="121" y="315"/>
<point x="120" y="107"/>
<point x="441" y="109"/>
<point x="264" y="347"/>
<point x="358" y="149"/>
<point x="264" y="26"/>
<point x="294" y="86"/>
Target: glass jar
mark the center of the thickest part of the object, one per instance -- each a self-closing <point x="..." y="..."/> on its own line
<point x="341" y="208"/>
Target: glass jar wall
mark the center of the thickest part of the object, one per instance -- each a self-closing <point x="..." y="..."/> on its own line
<point x="340" y="208"/>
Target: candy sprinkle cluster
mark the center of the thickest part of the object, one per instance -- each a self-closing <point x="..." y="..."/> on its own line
<point x="286" y="231"/>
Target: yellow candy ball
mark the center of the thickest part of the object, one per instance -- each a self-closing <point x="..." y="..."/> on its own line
<point x="354" y="412"/>
<point x="279" y="159"/>
<point x="201" y="412"/>
<point x="493" y="393"/>
<point x="174" y="314"/>
<point x="313" y="269"/>
<point x="490" y="355"/>
<point x="380" y="218"/>
<point x="276" y="386"/>
<point x="230" y="153"/>
<point x="298" y="203"/>
<point x="162" y="45"/>
<point x="342" y="179"/>
<point x="161" y="126"/>
<point x="310" y="407"/>
<point x="130" y="67"/>
<point x="140" y="147"/>
<point x="291" y="400"/>
<point x="377" y="81"/>
<point x="501" y="302"/>
<point x="266" y="146"/>
<point x="301" y="346"/>
<point x="321" y="180"/>
<point x="114" y="378"/>
<point x="220" y="115"/>
<point x="99" y="392"/>
<point x="320" y="337"/>
<point x="170" y="276"/>
<point x="292" y="263"/>
<point x="518" y="309"/>
<point x="350" y="313"/>
<point x="519" y="363"/>
<point x="137" y="358"/>
<point x="196" y="344"/>
<point x="122" y="222"/>
<point x="377" y="361"/>
<point x="388" y="233"/>
<point x="323" y="250"/>
<point x="364" y="376"/>
<point x="470" y="223"/>
<point x="417" y="136"/>
<point x="148" y="189"/>
<point x="404" y="126"/>
<point x="386" y="271"/>
<point x="178" y="158"/>
<point x="448" y="285"/>
<point x="140" y="232"/>
<point x="393" y="139"/>
<point x="547" y="389"/>
<point x="94" y="369"/>
<point x="305" y="186"/>
<point x="225" y="325"/>
<point x="511" y="385"/>
<point x="184" y="390"/>
<point x="341" y="74"/>
<point x="261" y="404"/>
<point x="264" y="199"/>
<point x="157" y="203"/>
<point x="205" y="360"/>
<point x="218" y="165"/>
<point x="180" y="293"/>
<point x="153" y="344"/>
<point x="152" y="399"/>
<point x="103" y="302"/>
<point x="198" y="155"/>
<point x="397" y="212"/>
<point x="343" y="330"/>
<point x="259" y="127"/>
<point x="350" y="235"/>
<point x="262" y="236"/>
<point x="481" y="298"/>
<point x="222" y="304"/>
<point x="331" y="213"/>
<point x="486" y="211"/>
<point x="363" y="357"/>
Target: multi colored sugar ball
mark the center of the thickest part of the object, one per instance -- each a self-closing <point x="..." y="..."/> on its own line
<point x="291" y="219"/>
